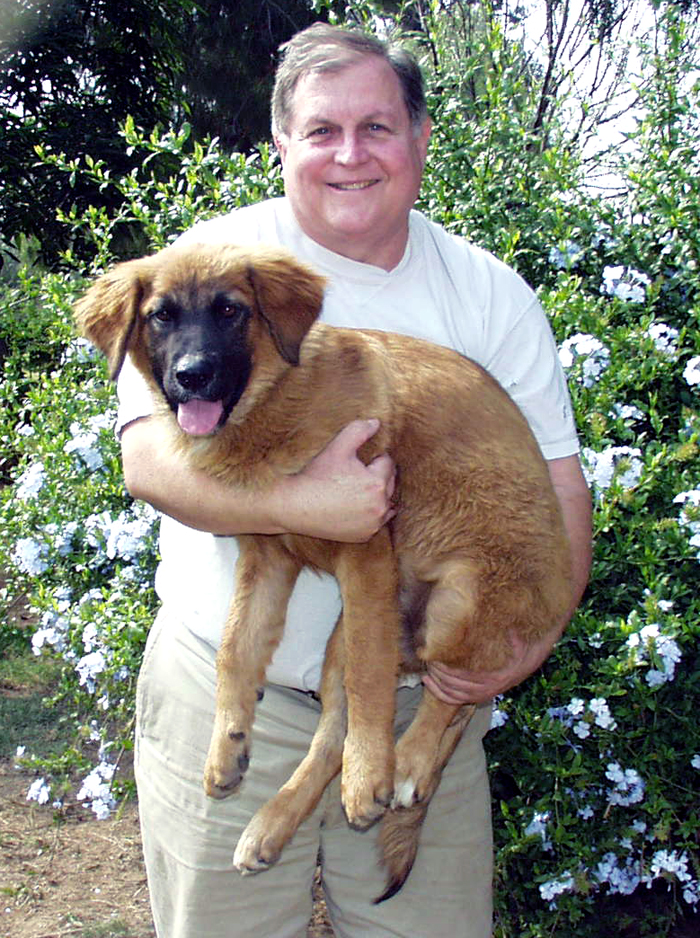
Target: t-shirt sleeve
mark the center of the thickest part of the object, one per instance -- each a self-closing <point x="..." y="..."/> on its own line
<point x="516" y="345"/>
<point x="526" y="363"/>
<point x="134" y="394"/>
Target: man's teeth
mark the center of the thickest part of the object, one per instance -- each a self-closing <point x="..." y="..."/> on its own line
<point x="352" y="185"/>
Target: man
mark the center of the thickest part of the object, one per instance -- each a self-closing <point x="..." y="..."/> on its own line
<point x="351" y="128"/>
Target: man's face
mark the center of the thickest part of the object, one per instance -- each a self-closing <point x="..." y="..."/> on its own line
<point x="352" y="161"/>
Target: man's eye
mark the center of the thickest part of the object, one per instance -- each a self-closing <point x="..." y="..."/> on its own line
<point x="319" y="132"/>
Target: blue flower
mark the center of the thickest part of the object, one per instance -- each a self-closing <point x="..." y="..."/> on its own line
<point x="691" y="372"/>
<point x="566" y="257"/>
<point x="629" y="786"/>
<point x="31" y="482"/>
<point x="625" y="284"/>
<point x="664" y="338"/>
<point x="30" y="556"/>
<point x="591" y="351"/>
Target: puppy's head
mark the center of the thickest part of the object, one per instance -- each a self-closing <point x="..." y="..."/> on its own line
<point x="199" y="322"/>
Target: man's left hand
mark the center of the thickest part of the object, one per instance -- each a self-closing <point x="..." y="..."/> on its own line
<point x="456" y="686"/>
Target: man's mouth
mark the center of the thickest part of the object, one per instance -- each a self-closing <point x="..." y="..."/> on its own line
<point x="353" y="186"/>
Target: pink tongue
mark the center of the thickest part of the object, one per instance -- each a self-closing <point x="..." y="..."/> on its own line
<point x="199" y="417"/>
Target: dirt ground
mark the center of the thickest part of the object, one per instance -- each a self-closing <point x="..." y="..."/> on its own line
<point x="75" y="876"/>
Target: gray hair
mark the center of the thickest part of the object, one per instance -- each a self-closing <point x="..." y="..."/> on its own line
<point x="324" y="48"/>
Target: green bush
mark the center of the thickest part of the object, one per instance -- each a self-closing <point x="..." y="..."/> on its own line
<point x="596" y="759"/>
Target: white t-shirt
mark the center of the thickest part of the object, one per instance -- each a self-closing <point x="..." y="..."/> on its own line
<point x="444" y="290"/>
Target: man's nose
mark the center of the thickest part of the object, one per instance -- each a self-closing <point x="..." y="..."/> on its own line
<point x="351" y="149"/>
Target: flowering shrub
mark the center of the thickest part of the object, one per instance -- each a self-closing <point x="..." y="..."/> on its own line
<point x="596" y="759"/>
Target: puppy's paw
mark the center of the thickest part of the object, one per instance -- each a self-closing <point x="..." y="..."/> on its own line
<point x="414" y="779"/>
<point x="259" y="847"/>
<point x="226" y="763"/>
<point x="366" y="785"/>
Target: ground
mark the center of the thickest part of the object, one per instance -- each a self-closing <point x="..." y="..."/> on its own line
<point x="74" y="876"/>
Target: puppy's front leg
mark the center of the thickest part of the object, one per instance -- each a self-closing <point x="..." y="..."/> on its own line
<point x="265" y="577"/>
<point x="368" y="580"/>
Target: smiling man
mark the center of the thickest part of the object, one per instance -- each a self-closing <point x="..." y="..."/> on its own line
<point x="351" y="127"/>
<point x="353" y="160"/>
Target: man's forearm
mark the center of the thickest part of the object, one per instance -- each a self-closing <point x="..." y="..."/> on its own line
<point x="575" y="501"/>
<point x="335" y="497"/>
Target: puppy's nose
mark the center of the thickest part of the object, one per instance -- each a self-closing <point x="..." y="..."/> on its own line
<point x="195" y="372"/>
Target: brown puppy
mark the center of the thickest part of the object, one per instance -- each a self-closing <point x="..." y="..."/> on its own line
<point x="252" y="388"/>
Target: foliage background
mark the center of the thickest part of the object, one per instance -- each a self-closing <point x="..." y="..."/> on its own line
<point x="595" y="760"/>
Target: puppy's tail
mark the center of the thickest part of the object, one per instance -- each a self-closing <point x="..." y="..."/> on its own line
<point x="399" y="834"/>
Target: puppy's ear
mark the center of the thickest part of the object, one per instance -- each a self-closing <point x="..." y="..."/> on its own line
<point x="108" y="313"/>
<point x="288" y="297"/>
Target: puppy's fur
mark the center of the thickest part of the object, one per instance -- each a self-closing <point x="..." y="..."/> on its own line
<point x="477" y="548"/>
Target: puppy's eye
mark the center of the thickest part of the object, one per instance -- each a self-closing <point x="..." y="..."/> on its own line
<point x="162" y="314"/>
<point x="230" y="309"/>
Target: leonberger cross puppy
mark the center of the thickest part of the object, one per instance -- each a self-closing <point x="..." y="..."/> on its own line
<point x="252" y="388"/>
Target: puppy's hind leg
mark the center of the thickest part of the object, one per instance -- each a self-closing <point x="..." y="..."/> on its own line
<point x="437" y="726"/>
<point x="274" y="825"/>
<point x="265" y="577"/>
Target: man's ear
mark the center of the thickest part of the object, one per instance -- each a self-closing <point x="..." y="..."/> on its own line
<point x="424" y="138"/>
<point x="281" y="142"/>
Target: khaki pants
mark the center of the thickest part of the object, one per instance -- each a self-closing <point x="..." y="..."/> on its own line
<point x="189" y="839"/>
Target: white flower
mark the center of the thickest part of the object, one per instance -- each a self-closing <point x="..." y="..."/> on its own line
<point x="582" y="729"/>
<point x="576" y="706"/>
<point x="498" y="717"/>
<point x="690" y="515"/>
<point x="670" y="861"/>
<point x="650" y="639"/>
<point x="556" y="887"/>
<point x="594" y="355"/>
<point x="603" y="718"/>
<point x="39" y="791"/>
<point x="629" y="786"/>
<point x="691" y="372"/>
<point x="663" y="337"/>
<point x="89" y="667"/>
<point x="627" y="412"/>
<point x="31" y="482"/>
<point x="79" y="350"/>
<point x="538" y="827"/>
<point x="691" y="893"/>
<point x="96" y="788"/>
<point x="62" y="536"/>
<point x="620" y="879"/>
<point x="127" y="536"/>
<point x="84" y="446"/>
<point x="621" y="464"/>
<point x="695" y="761"/>
<point x="629" y="285"/>
<point x="30" y="556"/>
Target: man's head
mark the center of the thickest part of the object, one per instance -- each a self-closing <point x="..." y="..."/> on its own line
<point x="323" y="48"/>
<point x="352" y="132"/>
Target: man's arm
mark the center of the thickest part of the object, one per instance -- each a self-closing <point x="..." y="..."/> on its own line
<point x="456" y="686"/>
<point x="335" y="497"/>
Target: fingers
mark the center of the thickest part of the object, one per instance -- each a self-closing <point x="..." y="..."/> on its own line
<point x="352" y="437"/>
<point x="461" y="686"/>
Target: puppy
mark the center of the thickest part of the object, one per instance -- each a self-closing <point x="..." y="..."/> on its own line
<point x="251" y="388"/>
